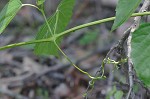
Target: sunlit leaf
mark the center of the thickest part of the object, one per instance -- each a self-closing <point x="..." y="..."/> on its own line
<point x="140" y="53"/>
<point x="124" y="10"/>
<point x="111" y="92"/>
<point x="58" y="22"/>
<point x="118" y="95"/>
<point x="40" y="2"/>
<point x="8" y="13"/>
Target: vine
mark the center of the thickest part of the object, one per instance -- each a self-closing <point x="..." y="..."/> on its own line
<point x="69" y="31"/>
<point x="53" y="36"/>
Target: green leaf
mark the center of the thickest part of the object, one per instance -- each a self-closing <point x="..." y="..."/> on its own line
<point x="136" y="88"/>
<point x="118" y="95"/>
<point x="40" y="2"/>
<point x="88" y="38"/>
<point x="111" y="92"/>
<point x="8" y="13"/>
<point x="58" y="22"/>
<point x="124" y="10"/>
<point x="140" y="53"/>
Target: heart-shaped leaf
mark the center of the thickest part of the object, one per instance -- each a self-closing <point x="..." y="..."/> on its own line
<point x="8" y="13"/>
<point x="57" y="22"/>
<point x="124" y="10"/>
<point x="141" y="53"/>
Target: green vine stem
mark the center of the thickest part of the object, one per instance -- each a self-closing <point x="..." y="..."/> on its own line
<point x="24" y="43"/>
<point x="31" y="5"/>
<point x="55" y="36"/>
<point x="54" y="40"/>
<point x="49" y="28"/>
<point x="84" y="72"/>
<point x="43" y="13"/>
<point x="69" y="31"/>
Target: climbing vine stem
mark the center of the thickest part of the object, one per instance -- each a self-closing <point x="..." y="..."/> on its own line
<point x="69" y="31"/>
<point x="49" y="28"/>
<point x="31" y="5"/>
<point x="84" y="72"/>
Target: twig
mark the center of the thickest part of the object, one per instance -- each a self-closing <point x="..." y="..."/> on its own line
<point x="11" y="80"/>
<point x="23" y="80"/>
<point x="133" y="28"/>
<point x="130" y="68"/>
<point x="12" y="94"/>
<point x="119" y="45"/>
<point x="139" y="82"/>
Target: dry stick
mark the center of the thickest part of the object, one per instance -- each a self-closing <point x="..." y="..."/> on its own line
<point x="133" y="28"/>
<point x="12" y="94"/>
<point x="23" y="79"/>
<point x="130" y="68"/>
<point x="119" y="46"/>
<point x="120" y="43"/>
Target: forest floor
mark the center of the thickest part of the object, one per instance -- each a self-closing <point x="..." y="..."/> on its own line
<point x="24" y="75"/>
